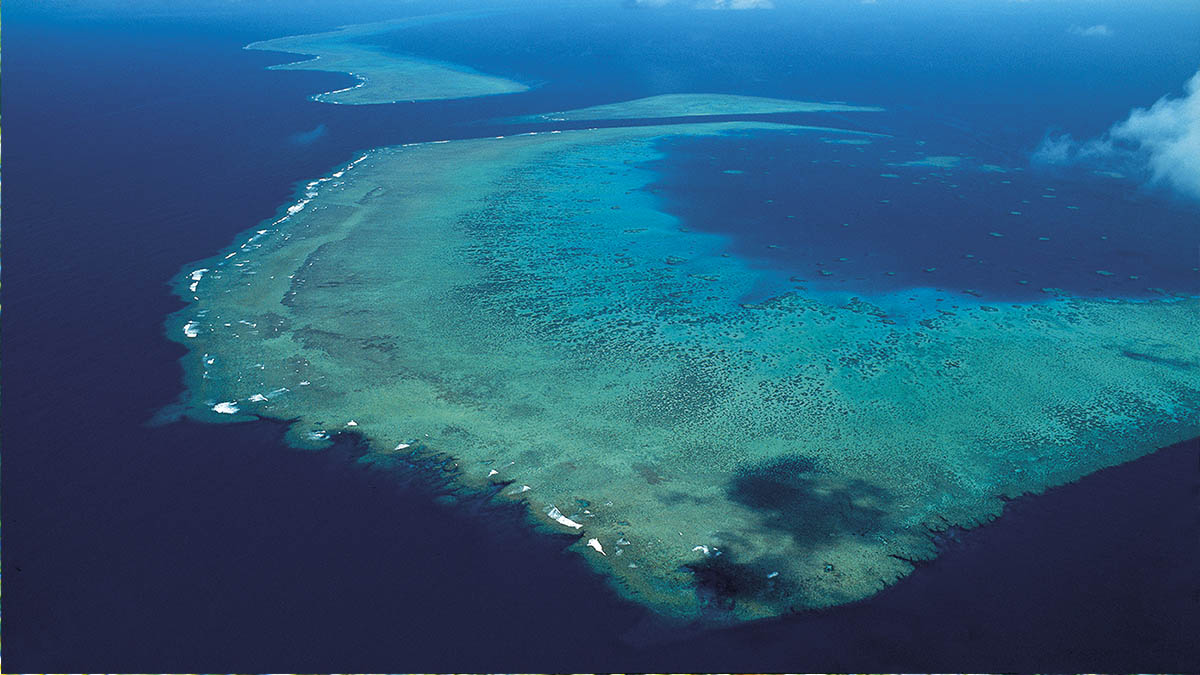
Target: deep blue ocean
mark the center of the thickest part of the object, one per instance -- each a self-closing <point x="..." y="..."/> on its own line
<point x="143" y="139"/>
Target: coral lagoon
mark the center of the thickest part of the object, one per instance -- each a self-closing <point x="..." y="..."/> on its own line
<point x="522" y="312"/>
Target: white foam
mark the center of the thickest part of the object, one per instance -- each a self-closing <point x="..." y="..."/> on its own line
<point x="258" y="398"/>
<point x="493" y="472"/>
<point x="703" y="549"/>
<point x="191" y="329"/>
<point x="402" y="446"/>
<point x="361" y="82"/>
<point x="595" y="544"/>
<point x="554" y="514"/>
<point x="351" y="423"/>
<point x="226" y="407"/>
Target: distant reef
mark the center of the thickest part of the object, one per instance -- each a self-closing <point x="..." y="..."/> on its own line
<point x="694" y="105"/>
<point x="384" y="76"/>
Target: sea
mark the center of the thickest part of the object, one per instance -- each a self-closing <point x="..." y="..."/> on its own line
<point x="142" y="137"/>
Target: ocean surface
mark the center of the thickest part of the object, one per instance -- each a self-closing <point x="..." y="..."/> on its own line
<point x="140" y="141"/>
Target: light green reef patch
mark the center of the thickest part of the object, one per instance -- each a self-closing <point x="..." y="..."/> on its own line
<point x="847" y="141"/>
<point x="384" y="76"/>
<point x="521" y="306"/>
<point x="935" y="161"/>
<point x="693" y="105"/>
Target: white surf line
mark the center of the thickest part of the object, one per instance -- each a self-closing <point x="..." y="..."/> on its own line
<point x="311" y="192"/>
<point x="320" y="98"/>
<point x="415" y="144"/>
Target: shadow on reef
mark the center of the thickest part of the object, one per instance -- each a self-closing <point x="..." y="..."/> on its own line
<point x="721" y="582"/>
<point x="795" y="497"/>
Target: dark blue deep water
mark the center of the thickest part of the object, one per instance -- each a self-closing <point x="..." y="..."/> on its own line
<point x="142" y="140"/>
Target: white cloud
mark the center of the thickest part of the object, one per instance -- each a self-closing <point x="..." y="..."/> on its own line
<point x="1099" y="30"/>
<point x="1162" y="142"/>
<point x="1055" y="150"/>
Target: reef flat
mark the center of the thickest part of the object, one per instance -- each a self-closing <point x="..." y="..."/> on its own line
<point x="520" y="310"/>
<point x="694" y="105"/>
<point x="384" y="76"/>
